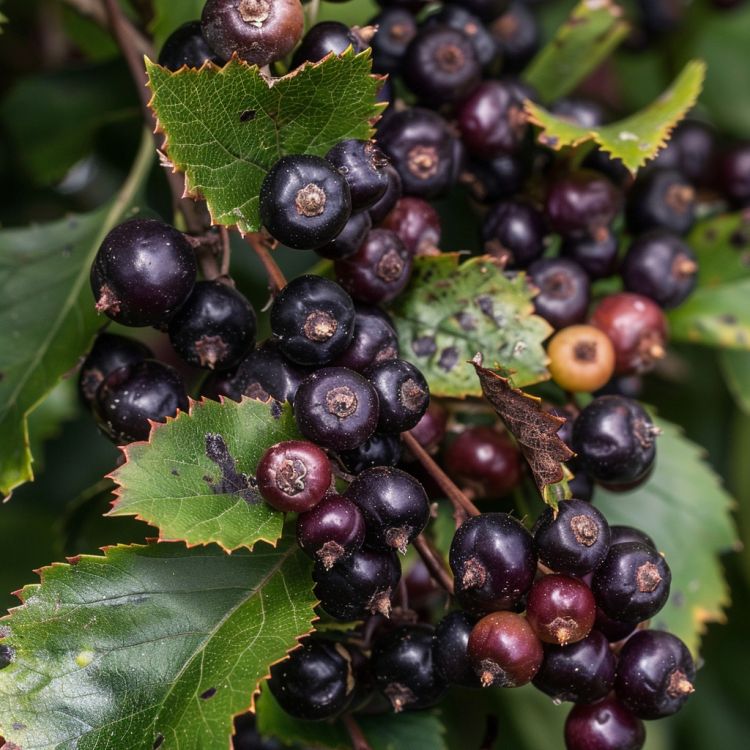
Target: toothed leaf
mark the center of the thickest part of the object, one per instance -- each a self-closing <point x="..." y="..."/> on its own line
<point x="194" y="478"/>
<point x="149" y="645"/>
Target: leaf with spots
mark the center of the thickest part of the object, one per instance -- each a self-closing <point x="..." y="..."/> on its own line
<point x="688" y="513"/>
<point x="593" y="30"/>
<point x="227" y="127"/>
<point x="194" y="478"/>
<point x="149" y="646"/>
<point x="449" y="312"/>
<point x="47" y="316"/>
<point x="636" y="139"/>
<point x="535" y="432"/>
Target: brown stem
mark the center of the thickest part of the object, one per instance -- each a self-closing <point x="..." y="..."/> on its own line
<point x="433" y="563"/>
<point x="261" y="245"/>
<point x="355" y="734"/>
<point x="226" y="251"/>
<point x="446" y="484"/>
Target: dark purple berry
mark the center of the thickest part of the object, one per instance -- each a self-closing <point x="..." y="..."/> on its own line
<point x="312" y="320"/>
<point x="662" y="199"/>
<point x="132" y="396"/>
<point x="382" y="208"/>
<point x="613" y="630"/>
<point x="655" y="674"/>
<point x="597" y="257"/>
<point x="349" y="239"/>
<point x="492" y="180"/>
<point x="582" y="203"/>
<point x="621" y="534"/>
<point x="606" y="725"/>
<point x="573" y="541"/>
<point x="517" y="35"/>
<point x="564" y="291"/>
<point x="514" y="232"/>
<point x="325" y="38"/>
<point x="416" y="223"/>
<point x="450" y="650"/>
<point x="403" y="394"/>
<point x="379" y="450"/>
<point x="362" y="164"/>
<point x="734" y="175"/>
<point x="331" y="530"/>
<point x="186" y="46"/>
<point x="396" y="28"/>
<point x="374" y="341"/>
<point x="561" y="609"/>
<point x="493" y="562"/>
<point x="143" y="272"/>
<point x="632" y="583"/>
<point x="336" y="408"/>
<point x="458" y="18"/>
<point x="430" y="430"/>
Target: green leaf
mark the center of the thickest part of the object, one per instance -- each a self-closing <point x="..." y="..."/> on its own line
<point x="590" y="34"/>
<point x="47" y="318"/>
<point x="636" y="139"/>
<point x="687" y="512"/>
<point x="736" y="368"/>
<point x="226" y="128"/>
<point x="169" y="15"/>
<point x="45" y="422"/>
<point x="449" y="312"/>
<point x="390" y="731"/>
<point x="52" y="118"/>
<point x="149" y="642"/>
<point x="194" y="478"/>
<point x="722" y="246"/>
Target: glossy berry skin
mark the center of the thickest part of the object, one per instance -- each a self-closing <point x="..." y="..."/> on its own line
<point x="394" y="506"/>
<point x="561" y="609"/>
<point x="615" y="440"/>
<point x="132" y="395"/>
<point x="349" y="239"/>
<point x="403" y="394"/>
<point x="361" y="583"/>
<point x="403" y="667"/>
<point x="362" y="164"/>
<point x="304" y="201"/>
<point x="734" y="175"/>
<point x="379" y="450"/>
<point x="458" y="18"/>
<point x="491" y="120"/>
<point x="312" y="320"/>
<point x="441" y="65"/>
<point x="315" y="682"/>
<point x="423" y="151"/>
<point x="110" y="352"/>
<point x="637" y="328"/>
<point x="392" y="193"/>
<point x="633" y="582"/>
<point x="258" y="31"/>
<point x="214" y="328"/>
<point x="582" y="358"/>
<point x="416" y="223"/>
<point x="396" y="28"/>
<point x="485" y="460"/>
<point x="576" y="541"/>
<point x="655" y="674"/>
<point x="431" y="428"/>
<point x="612" y="630"/>
<point x="493" y="562"/>
<point x="374" y="340"/>
<point x="597" y="257"/>
<point x="692" y="150"/>
<point x="293" y="476"/>
<point x="564" y="291"/>
<point x="143" y="271"/>
<point x="517" y="35"/>
<point x="186" y="46"/>
<point x="621" y="534"/>
<point x="336" y="408"/>
<point x="380" y="269"/>
<point x="605" y="725"/>
<point x="325" y="38"/>
<point x="663" y="199"/>
<point x="514" y="231"/>
<point x="450" y="650"/>
<point x="331" y="530"/>
<point x="581" y="672"/>
<point x="504" y="650"/>
<point x="661" y="266"/>
<point x="582" y="203"/>
<point x="492" y="180"/>
<point x="264" y="373"/>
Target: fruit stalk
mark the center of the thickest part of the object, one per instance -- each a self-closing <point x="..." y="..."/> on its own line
<point x="261" y="246"/>
<point x="433" y="563"/>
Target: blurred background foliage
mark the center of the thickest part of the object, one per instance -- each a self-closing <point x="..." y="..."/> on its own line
<point x="69" y="128"/>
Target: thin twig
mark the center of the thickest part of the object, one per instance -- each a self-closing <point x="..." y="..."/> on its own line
<point x="226" y="251"/>
<point x="355" y="734"/>
<point x="433" y="563"/>
<point x="261" y="245"/>
<point x="446" y="484"/>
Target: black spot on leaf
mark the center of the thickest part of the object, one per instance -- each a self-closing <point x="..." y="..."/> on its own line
<point x="6" y="656"/>
<point x="448" y="358"/>
<point x="424" y="346"/>
<point x="276" y="410"/>
<point x="232" y="481"/>
<point x="467" y="321"/>
<point x="248" y="115"/>
<point x="175" y="473"/>
<point x="159" y="741"/>
<point x="206" y="694"/>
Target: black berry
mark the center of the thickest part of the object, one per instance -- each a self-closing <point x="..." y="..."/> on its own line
<point x="450" y="650"/>
<point x="186" y="46"/>
<point x="564" y="291"/>
<point x="325" y="38"/>
<point x="379" y="450"/>
<point x="403" y="394"/>
<point x="514" y="231"/>
<point x="458" y="18"/>
<point x="349" y="239"/>
<point x="606" y="725"/>
<point x="416" y="223"/>
<point x="374" y="341"/>
<point x="396" y="28"/>
<point x="561" y="609"/>
<point x="582" y="203"/>
<point x="517" y="35"/>
<point x="663" y="199"/>
<point x="392" y="193"/>
<point x="362" y="164"/>
<point x="598" y="257"/>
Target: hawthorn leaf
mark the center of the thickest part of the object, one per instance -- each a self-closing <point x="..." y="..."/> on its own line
<point x="636" y="139"/>
<point x="449" y="312"/>
<point x="149" y="645"/>
<point x="535" y="432"/>
<point x="194" y="478"/>
<point x="736" y="368"/>
<point x="383" y="732"/>
<point x="47" y="319"/>
<point x="591" y="33"/>
<point x="682" y="503"/>
<point x="226" y="127"/>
